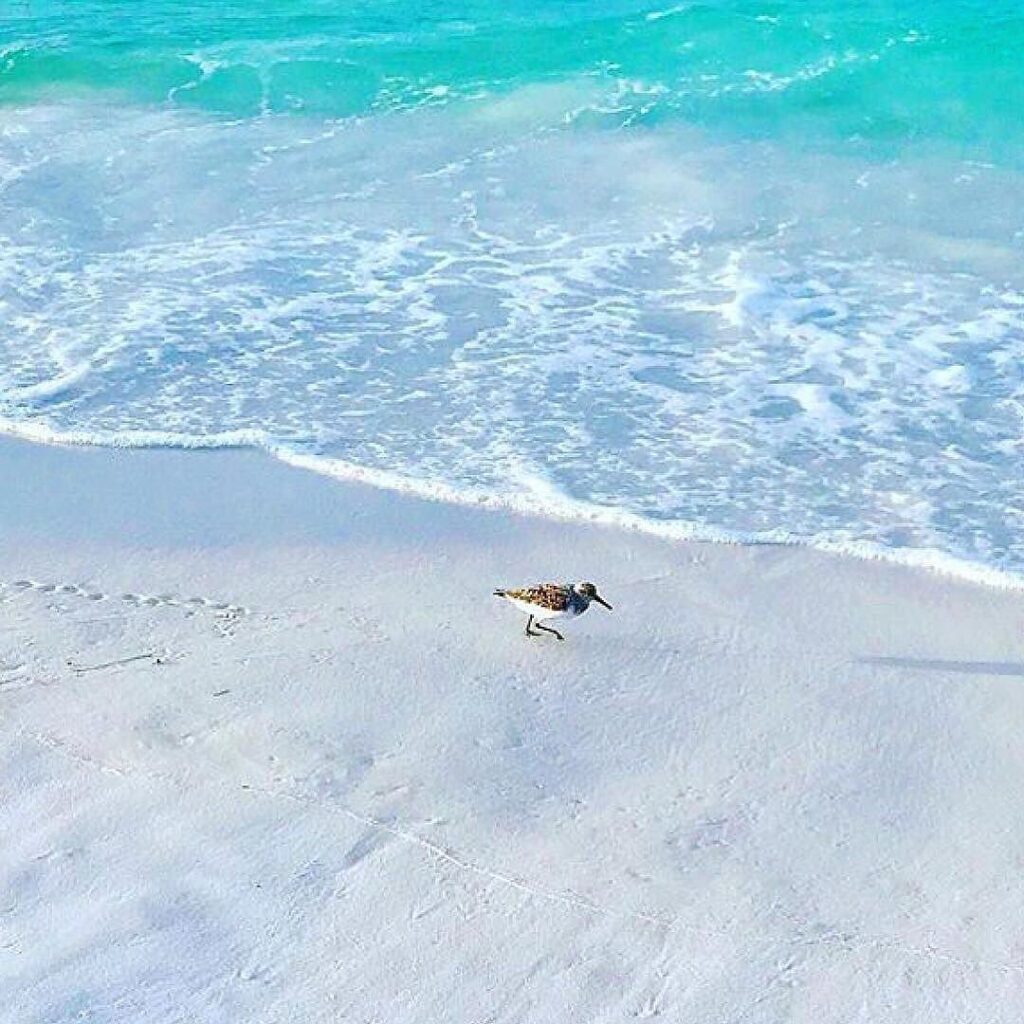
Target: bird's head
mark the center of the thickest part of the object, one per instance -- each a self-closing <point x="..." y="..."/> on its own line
<point x="589" y="592"/>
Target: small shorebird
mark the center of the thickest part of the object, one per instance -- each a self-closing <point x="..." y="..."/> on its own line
<point x="548" y="601"/>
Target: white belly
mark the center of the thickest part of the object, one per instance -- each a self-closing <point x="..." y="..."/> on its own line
<point x="540" y="614"/>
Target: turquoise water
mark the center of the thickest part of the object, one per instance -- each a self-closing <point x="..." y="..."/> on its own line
<point x="873" y="73"/>
<point x="742" y="269"/>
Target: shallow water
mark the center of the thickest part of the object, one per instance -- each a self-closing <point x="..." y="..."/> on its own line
<point x="742" y="269"/>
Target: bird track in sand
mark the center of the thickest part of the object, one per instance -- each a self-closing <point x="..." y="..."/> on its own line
<point x="189" y="604"/>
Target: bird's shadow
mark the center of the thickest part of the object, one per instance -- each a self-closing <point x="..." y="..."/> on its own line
<point x="979" y="668"/>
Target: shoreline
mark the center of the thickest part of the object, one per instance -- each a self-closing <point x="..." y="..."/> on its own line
<point x="273" y="753"/>
<point x="553" y="507"/>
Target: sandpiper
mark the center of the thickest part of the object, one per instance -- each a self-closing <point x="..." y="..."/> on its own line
<point x="548" y="601"/>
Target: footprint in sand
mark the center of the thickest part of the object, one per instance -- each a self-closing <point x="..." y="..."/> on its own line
<point x="165" y="600"/>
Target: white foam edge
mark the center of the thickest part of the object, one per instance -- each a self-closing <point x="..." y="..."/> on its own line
<point x="550" y="506"/>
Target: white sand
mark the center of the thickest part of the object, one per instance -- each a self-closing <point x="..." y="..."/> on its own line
<point x="774" y="785"/>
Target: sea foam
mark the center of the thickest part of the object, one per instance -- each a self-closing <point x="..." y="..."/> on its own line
<point x="709" y="339"/>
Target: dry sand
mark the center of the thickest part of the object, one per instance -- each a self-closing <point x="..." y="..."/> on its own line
<point x="272" y="753"/>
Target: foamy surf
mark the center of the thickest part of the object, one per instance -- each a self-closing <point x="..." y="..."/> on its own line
<point x="667" y="286"/>
<point x="541" y="500"/>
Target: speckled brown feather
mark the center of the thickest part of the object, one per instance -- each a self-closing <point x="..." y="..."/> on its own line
<point x="552" y="596"/>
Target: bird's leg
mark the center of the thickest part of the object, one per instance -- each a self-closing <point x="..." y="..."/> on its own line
<point x="529" y="623"/>
<point x="548" y="629"/>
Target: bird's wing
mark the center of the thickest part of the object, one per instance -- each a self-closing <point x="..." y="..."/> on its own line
<point x="553" y="596"/>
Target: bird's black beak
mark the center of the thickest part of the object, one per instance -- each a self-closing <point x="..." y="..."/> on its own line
<point x="601" y="600"/>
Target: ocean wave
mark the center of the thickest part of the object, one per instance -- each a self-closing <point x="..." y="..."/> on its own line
<point x="815" y="72"/>
<point x="679" y="329"/>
